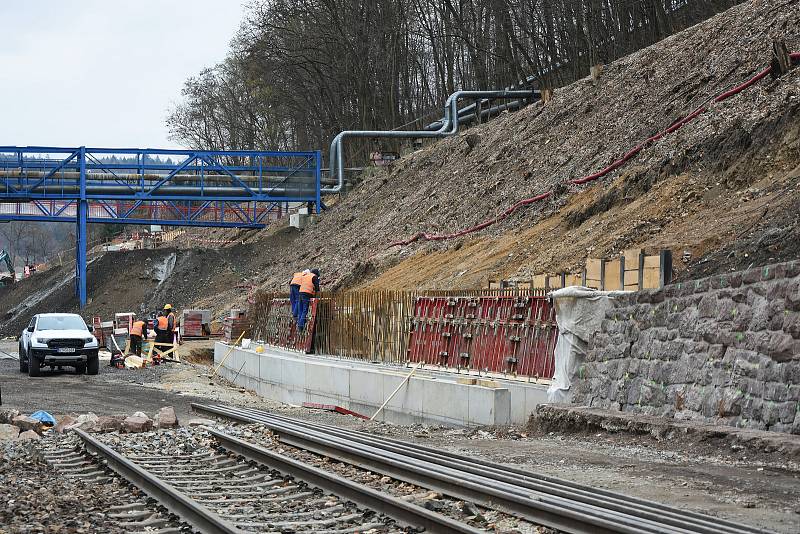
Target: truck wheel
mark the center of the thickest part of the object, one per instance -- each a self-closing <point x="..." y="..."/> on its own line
<point x="34" y="366"/>
<point x="93" y="366"/>
<point x="23" y="362"/>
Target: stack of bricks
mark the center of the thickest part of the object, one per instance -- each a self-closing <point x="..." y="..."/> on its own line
<point x="192" y="323"/>
<point x="234" y="326"/>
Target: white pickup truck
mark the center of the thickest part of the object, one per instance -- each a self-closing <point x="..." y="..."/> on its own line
<point x="58" y="340"/>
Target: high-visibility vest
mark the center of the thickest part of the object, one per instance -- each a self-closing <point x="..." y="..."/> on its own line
<point x="174" y="321"/>
<point x="136" y="328"/>
<point x="307" y="283"/>
<point x="296" y="279"/>
<point x="163" y="323"/>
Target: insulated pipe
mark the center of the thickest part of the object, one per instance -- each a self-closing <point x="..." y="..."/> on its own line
<point x="164" y="190"/>
<point x="449" y="127"/>
<point x="466" y="118"/>
<point x="293" y="177"/>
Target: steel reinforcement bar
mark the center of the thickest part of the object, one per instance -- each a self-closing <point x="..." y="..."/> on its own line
<point x="546" y="500"/>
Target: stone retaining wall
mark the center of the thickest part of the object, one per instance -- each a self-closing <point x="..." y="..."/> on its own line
<point x="724" y="348"/>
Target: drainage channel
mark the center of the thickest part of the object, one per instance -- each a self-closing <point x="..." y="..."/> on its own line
<point x="242" y="487"/>
<point x="544" y="500"/>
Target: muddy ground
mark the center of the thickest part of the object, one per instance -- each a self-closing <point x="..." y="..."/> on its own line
<point x="762" y="490"/>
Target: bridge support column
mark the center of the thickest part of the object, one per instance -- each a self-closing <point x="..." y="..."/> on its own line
<point x="80" y="244"/>
<point x="318" y="179"/>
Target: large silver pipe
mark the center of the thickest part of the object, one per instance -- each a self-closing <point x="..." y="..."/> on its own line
<point x="449" y="127"/>
<point x="164" y="190"/>
<point x="288" y="177"/>
<point x="467" y="118"/>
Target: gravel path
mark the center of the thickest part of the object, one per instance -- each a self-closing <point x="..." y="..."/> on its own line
<point x="39" y="499"/>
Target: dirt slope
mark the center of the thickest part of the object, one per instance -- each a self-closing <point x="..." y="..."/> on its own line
<point x="717" y="188"/>
<point x="725" y="188"/>
<point x="137" y="281"/>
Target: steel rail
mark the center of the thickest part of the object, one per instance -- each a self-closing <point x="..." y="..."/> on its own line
<point x="405" y="513"/>
<point x="520" y="483"/>
<point x="540" y="508"/>
<point x="615" y="501"/>
<point x="187" y="509"/>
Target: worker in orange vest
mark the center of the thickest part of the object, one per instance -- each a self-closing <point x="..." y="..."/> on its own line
<point x="162" y="328"/>
<point x="172" y="323"/>
<point x="175" y="326"/>
<point x="138" y="332"/>
<point x="309" y="285"/>
<point x="294" y="291"/>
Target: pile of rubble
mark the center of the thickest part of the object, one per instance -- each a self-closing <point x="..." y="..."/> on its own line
<point x="18" y="427"/>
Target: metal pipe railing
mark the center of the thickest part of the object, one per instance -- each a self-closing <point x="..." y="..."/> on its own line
<point x="449" y="127"/>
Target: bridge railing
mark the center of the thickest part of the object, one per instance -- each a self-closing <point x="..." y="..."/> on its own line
<point x="154" y="186"/>
<point x="150" y="174"/>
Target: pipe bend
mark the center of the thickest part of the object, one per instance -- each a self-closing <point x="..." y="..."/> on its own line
<point x="449" y="126"/>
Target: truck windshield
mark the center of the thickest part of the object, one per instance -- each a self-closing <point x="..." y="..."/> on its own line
<point x="61" y="322"/>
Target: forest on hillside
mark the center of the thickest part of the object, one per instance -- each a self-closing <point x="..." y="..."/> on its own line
<point x="300" y="71"/>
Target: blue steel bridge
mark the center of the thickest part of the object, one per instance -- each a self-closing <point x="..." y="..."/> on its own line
<point x="232" y="189"/>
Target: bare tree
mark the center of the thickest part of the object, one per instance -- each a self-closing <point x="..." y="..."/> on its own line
<point x="14" y="234"/>
<point x="300" y="71"/>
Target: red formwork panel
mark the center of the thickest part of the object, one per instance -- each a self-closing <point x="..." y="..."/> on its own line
<point x="513" y="334"/>
<point x="281" y="329"/>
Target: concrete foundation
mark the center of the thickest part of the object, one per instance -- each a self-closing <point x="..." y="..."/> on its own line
<point x="430" y="397"/>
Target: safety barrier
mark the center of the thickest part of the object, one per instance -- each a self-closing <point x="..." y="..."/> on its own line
<point x="514" y="335"/>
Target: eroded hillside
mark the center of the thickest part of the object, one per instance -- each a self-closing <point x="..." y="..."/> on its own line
<point x="725" y="188"/>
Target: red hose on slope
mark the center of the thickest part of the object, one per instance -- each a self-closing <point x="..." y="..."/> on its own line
<point x="795" y="56"/>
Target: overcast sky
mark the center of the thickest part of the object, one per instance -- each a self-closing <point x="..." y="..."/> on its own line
<point x="103" y="73"/>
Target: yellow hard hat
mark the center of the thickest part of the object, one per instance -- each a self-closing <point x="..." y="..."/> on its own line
<point x="168" y="307"/>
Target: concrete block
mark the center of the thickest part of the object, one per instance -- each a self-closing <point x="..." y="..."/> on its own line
<point x="481" y="405"/>
<point x="270" y="368"/>
<point x="328" y="379"/>
<point x="293" y="374"/>
<point x="410" y="398"/>
<point x="297" y="220"/>
<point x="268" y="390"/>
<point x="401" y="418"/>
<point x="366" y="387"/>
<point x="446" y="401"/>
<point x="326" y="399"/>
<point x="288" y="378"/>
<point x="534" y="396"/>
<point x="249" y="365"/>
<point x="292" y="395"/>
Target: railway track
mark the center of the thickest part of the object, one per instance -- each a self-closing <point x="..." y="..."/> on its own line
<point x="540" y="499"/>
<point x="235" y="486"/>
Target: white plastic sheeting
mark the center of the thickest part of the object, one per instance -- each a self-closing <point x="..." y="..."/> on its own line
<point x="579" y="311"/>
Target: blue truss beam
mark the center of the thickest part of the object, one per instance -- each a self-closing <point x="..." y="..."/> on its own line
<point x="135" y="221"/>
<point x="186" y="184"/>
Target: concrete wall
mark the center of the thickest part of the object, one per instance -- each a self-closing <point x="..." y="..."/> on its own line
<point x="723" y="349"/>
<point x="429" y="397"/>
